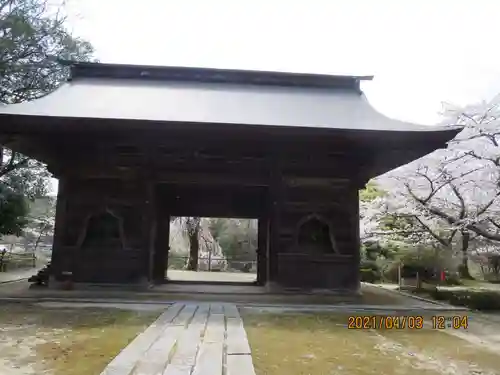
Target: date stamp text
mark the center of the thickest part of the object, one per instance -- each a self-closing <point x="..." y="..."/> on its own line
<point x="438" y="322"/>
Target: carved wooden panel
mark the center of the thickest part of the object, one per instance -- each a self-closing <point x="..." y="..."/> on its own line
<point x="103" y="237"/>
<point x="318" y="243"/>
<point x="329" y="206"/>
<point x="314" y="235"/>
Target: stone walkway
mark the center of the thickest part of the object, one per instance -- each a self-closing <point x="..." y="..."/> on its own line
<point x="188" y="339"/>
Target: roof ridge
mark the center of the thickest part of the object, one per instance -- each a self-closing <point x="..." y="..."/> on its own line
<point x="213" y="75"/>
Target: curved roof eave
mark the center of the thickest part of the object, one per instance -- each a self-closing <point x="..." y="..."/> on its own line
<point x="212" y="103"/>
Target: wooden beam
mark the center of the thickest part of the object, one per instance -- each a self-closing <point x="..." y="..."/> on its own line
<point x="332" y="183"/>
<point x="212" y="178"/>
<point x="170" y="169"/>
<point x="230" y="177"/>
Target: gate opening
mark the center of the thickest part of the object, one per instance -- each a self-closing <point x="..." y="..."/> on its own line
<point x="213" y="250"/>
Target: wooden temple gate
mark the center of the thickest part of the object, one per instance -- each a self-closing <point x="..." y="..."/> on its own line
<point x="133" y="146"/>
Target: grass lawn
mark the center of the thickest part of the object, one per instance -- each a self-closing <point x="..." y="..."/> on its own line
<point x="81" y="341"/>
<point x="322" y="345"/>
<point x="374" y="295"/>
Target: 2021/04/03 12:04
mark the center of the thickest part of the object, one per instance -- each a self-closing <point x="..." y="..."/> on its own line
<point x="407" y="322"/>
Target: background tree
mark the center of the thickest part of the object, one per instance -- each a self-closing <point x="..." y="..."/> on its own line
<point x="462" y="186"/>
<point x="41" y="222"/>
<point x="191" y="226"/>
<point x="13" y="211"/>
<point x="391" y="237"/>
<point x="33" y="39"/>
<point x="238" y="239"/>
<point x="453" y="194"/>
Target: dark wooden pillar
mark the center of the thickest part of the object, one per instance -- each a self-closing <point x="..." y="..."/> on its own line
<point x="276" y="200"/>
<point x="262" y="244"/>
<point x="59" y="260"/>
<point x="149" y="227"/>
<point x="354" y="211"/>
<point x="161" y="243"/>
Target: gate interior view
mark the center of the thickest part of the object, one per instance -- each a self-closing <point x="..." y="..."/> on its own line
<point x="212" y="250"/>
<point x="197" y="216"/>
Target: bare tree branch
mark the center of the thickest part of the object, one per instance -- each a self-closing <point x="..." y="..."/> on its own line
<point x="432" y="233"/>
<point x="13" y="165"/>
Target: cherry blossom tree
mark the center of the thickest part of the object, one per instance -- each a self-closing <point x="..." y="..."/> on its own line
<point x="453" y="193"/>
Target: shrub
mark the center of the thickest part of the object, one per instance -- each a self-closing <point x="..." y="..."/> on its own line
<point x="427" y="262"/>
<point x="409" y="271"/>
<point x="369" y="272"/>
<point x="176" y="261"/>
<point x="451" y="278"/>
<point x="369" y="276"/>
<point x="476" y="300"/>
<point x="491" y="277"/>
<point x="390" y="272"/>
<point x="369" y="265"/>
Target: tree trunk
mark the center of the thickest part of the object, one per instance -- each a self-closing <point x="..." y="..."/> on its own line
<point x="419" y="284"/>
<point x="464" y="266"/>
<point x="194" y="243"/>
<point x="40" y="234"/>
<point x="194" y="247"/>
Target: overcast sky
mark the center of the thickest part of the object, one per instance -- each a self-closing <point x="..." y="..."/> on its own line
<point x="422" y="52"/>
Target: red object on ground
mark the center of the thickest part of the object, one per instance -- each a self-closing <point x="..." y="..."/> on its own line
<point x="442" y="276"/>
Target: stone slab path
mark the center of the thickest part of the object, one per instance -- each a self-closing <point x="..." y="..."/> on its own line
<point x="188" y="339"/>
